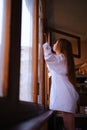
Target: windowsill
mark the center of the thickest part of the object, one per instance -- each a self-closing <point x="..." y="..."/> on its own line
<point x="22" y="114"/>
<point x="35" y="123"/>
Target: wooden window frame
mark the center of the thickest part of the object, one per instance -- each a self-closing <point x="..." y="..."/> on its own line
<point x="14" y="55"/>
<point x="12" y="98"/>
<point x="12" y="110"/>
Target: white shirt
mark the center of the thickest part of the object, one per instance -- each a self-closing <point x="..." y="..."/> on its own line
<point x="63" y="96"/>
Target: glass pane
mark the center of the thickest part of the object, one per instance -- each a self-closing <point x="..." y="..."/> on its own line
<point x="26" y="51"/>
<point x="2" y="12"/>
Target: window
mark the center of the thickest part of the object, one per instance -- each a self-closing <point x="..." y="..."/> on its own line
<point x="26" y="51"/>
<point x="32" y="66"/>
<point x="23" y="63"/>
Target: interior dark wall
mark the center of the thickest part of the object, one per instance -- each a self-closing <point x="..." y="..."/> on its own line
<point x="69" y="15"/>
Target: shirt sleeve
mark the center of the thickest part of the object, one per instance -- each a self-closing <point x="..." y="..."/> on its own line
<point x="50" y="59"/>
<point x="48" y="55"/>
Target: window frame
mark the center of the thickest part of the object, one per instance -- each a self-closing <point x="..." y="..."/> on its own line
<point x="14" y="62"/>
<point x="14" y="55"/>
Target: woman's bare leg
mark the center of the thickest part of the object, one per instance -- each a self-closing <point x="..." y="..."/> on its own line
<point x="69" y="121"/>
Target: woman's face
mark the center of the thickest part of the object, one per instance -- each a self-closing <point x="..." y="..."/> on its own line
<point x="56" y="47"/>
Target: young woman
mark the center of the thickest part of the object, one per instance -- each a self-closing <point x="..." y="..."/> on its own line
<point x="63" y="94"/>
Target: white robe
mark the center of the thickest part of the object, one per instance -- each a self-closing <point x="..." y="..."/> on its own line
<point x="63" y="96"/>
